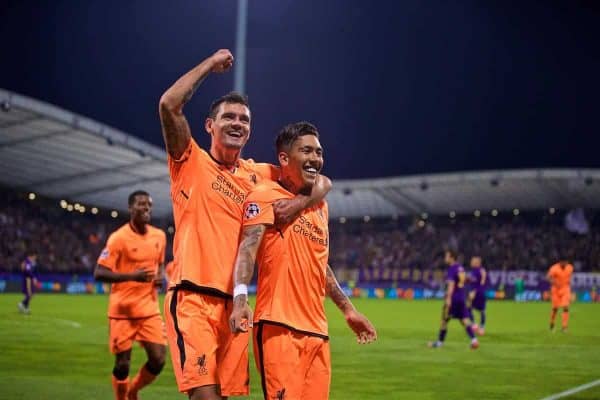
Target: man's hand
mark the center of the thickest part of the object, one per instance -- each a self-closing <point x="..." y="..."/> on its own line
<point x="287" y="210"/>
<point x="222" y="61"/>
<point x="142" y="275"/>
<point x="362" y="327"/>
<point x="241" y="316"/>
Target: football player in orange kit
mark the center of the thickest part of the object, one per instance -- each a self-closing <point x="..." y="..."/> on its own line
<point x="208" y="190"/>
<point x="559" y="276"/>
<point x="133" y="261"/>
<point x="291" y="339"/>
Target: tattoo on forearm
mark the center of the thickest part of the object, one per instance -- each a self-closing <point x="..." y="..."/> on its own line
<point x="335" y="292"/>
<point x="176" y="132"/>
<point x="190" y="93"/>
<point x="244" y="265"/>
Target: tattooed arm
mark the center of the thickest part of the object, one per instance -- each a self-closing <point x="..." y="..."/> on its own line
<point x="242" y="274"/>
<point x="175" y="127"/>
<point x="362" y="327"/>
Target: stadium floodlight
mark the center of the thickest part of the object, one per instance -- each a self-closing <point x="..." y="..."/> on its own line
<point x="94" y="210"/>
<point x="69" y="207"/>
<point x="552" y="210"/>
<point x="82" y="209"/>
<point x="452" y="214"/>
<point x="77" y="206"/>
<point x="342" y="220"/>
<point x="366" y="218"/>
<point x="63" y="204"/>
<point x="424" y="215"/>
<point x="516" y="212"/>
<point x="114" y="214"/>
<point x="494" y="213"/>
<point x="31" y="196"/>
<point x="477" y="213"/>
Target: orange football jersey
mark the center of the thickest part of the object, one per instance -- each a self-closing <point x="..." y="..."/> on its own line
<point x="127" y="251"/>
<point x="292" y="262"/>
<point x="207" y="207"/>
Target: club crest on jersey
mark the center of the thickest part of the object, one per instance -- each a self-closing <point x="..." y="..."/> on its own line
<point x="104" y="255"/>
<point x="252" y="210"/>
<point x="201" y="362"/>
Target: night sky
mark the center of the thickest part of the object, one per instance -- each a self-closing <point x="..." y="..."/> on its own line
<point x="395" y="87"/>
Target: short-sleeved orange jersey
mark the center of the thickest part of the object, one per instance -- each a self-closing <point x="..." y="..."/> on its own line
<point x="561" y="278"/>
<point x="127" y="251"/>
<point x="292" y="262"/>
<point x="207" y="208"/>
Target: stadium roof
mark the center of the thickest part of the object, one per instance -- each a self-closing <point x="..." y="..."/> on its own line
<point x="59" y="154"/>
<point x="63" y="155"/>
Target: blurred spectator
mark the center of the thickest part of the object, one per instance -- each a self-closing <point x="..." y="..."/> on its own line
<point x="64" y="241"/>
<point x="367" y="250"/>
<point x="374" y="250"/>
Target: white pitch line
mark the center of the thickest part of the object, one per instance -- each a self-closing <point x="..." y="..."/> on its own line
<point x="576" y="389"/>
<point x="69" y="322"/>
<point x="48" y="320"/>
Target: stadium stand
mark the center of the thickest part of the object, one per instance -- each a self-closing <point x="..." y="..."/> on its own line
<point x="532" y="241"/>
<point x="65" y="241"/>
<point x="62" y="156"/>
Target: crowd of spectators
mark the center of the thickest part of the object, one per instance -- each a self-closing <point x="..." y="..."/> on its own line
<point x="70" y="241"/>
<point x="65" y="242"/>
<point x="531" y="241"/>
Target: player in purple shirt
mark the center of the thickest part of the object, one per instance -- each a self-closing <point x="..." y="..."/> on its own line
<point x="478" y="279"/>
<point x="455" y="305"/>
<point x="27" y="268"/>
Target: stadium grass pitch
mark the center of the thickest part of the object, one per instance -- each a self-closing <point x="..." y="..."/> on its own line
<point x="60" y="351"/>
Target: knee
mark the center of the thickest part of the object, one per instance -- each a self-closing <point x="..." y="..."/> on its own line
<point x="156" y="362"/>
<point x="121" y="369"/>
<point x="566" y="309"/>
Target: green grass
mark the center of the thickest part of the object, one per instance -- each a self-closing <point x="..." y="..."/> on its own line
<point x="45" y="357"/>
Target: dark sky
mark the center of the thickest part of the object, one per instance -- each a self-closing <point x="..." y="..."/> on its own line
<point x="395" y="87"/>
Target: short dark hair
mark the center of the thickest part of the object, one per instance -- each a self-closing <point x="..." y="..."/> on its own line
<point x="131" y="198"/>
<point x="232" y="98"/>
<point x="291" y="132"/>
<point x="453" y="253"/>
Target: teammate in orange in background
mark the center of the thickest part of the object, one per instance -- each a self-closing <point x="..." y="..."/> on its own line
<point x="559" y="276"/>
<point x="291" y="341"/>
<point x="133" y="262"/>
<point x="208" y="190"/>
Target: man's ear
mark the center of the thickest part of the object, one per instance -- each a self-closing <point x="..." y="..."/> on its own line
<point x="283" y="158"/>
<point x="208" y="125"/>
